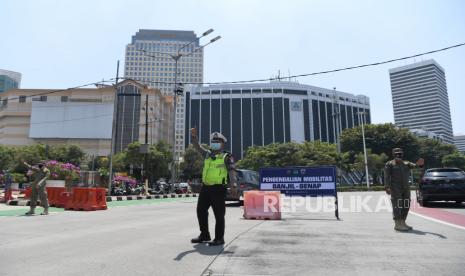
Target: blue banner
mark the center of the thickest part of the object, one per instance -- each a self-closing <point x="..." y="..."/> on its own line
<point x="300" y="181"/>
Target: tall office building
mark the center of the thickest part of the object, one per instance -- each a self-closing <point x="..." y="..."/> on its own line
<point x="264" y="113"/>
<point x="419" y="98"/>
<point x="9" y="80"/>
<point x="156" y="68"/>
<point x="459" y="141"/>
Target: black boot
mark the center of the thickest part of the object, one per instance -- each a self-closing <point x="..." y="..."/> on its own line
<point x="216" y="242"/>
<point x="201" y="238"/>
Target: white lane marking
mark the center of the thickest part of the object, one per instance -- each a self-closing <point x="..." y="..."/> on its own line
<point x="438" y="221"/>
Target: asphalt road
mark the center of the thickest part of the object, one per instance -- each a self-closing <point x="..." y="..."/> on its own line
<point x="152" y="238"/>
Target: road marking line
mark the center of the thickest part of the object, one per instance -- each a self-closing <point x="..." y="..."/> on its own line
<point x="438" y="221"/>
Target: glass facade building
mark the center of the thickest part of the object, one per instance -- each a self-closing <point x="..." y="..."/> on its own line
<point x="128" y="116"/>
<point x="9" y="80"/>
<point x="261" y="114"/>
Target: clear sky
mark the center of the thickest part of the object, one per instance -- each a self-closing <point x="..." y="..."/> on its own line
<point x="60" y="44"/>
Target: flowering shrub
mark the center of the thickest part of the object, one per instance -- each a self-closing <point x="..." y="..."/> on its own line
<point x="118" y="180"/>
<point x="62" y="171"/>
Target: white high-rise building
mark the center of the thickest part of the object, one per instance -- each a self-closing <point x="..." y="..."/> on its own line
<point x="420" y="100"/>
<point x="156" y="68"/>
<point x="459" y="141"/>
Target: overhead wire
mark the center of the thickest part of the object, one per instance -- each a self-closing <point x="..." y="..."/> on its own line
<point x="231" y="82"/>
<point x="308" y="74"/>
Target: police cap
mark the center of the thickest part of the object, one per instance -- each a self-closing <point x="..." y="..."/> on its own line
<point x="218" y="136"/>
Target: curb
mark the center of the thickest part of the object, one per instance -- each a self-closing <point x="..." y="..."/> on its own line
<point x="125" y="198"/>
<point x="16" y="202"/>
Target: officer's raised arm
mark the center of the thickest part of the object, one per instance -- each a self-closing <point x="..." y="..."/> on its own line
<point x="196" y="144"/>
<point x="419" y="164"/>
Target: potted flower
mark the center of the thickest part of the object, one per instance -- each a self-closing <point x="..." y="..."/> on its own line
<point x="62" y="174"/>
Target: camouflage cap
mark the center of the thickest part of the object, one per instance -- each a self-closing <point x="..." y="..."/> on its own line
<point x="397" y="150"/>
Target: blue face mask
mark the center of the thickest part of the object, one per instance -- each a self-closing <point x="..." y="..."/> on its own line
<point x="215" y="145"/>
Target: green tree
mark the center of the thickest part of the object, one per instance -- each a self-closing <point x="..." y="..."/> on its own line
<point x="272" y="155"/>
<point x="376" y="163"/>
<point x="455" y="159"/>
<point x="67" y="154"/>
<point x="192" y="164"/>
<point x="434" y="151"/>
<point x="319" y="153"/>
<point x="381" y="138"/>
<point x="160" y="157"/>
<point x="31" y="154"/>
<point x="6" y="157"/>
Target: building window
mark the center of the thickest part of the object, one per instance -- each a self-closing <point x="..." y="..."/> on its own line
<point x="43" y="98"/>
<point x="22" y="99"/>
<point x="64" y="98"/>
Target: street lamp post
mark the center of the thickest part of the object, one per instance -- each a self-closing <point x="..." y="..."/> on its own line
<point x="113" y="131"/>
<point x="362" y="119"/>
<point x="176" y="89"/>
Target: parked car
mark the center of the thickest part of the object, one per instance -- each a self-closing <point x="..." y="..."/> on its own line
<point x="441" y="184"/>
<point x="246" y="180"/>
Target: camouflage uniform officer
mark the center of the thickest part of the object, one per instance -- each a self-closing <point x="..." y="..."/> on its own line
<point x="396" y="182"/>
<point x="40" y="175"/>
<point x="218" y="172"/>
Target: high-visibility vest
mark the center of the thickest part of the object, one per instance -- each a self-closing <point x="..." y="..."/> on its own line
<point x="214" y="170"/>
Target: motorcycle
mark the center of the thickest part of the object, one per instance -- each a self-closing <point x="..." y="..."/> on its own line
<point x="117" y="191"/>
<point x="137" y="190"/>
<point x="157" y="189"/>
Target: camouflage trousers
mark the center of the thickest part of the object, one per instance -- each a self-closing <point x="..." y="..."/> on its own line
<point x="400" y="199"/>
<point x="39" y="192"/>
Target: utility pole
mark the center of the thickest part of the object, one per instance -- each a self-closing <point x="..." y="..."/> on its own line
<point x="361" y="119"/>
<point x="146" y="182"/>
<point x="175" y="100"/>
<point x="113" y="128"/>
<point x="337" y="131"/>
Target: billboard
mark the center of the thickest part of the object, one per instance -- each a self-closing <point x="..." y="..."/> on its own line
<point x="78" y="120"/>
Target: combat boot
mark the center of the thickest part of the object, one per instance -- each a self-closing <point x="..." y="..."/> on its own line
<point x="30" y="213"/>
<point x="45" y="212"/>
<point x="406" y="225"/>
<point x="399" y="226"/>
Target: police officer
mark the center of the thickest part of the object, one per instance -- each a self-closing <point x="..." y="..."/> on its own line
<point x="218" y="172"/>
<point x="396" y="183"/>
<point x="40" y="175"/>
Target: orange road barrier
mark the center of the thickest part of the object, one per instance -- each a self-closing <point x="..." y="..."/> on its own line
<point x="64" y="198"/>
<point x="87" y="199"/>
<point x="262" y="205"/>
<point x="53" y="195"/>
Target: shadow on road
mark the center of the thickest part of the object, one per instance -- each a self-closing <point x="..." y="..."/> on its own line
<point x="233" y="204"/>
<point x="203" y="249"/>
<point x="422" y="233"/>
